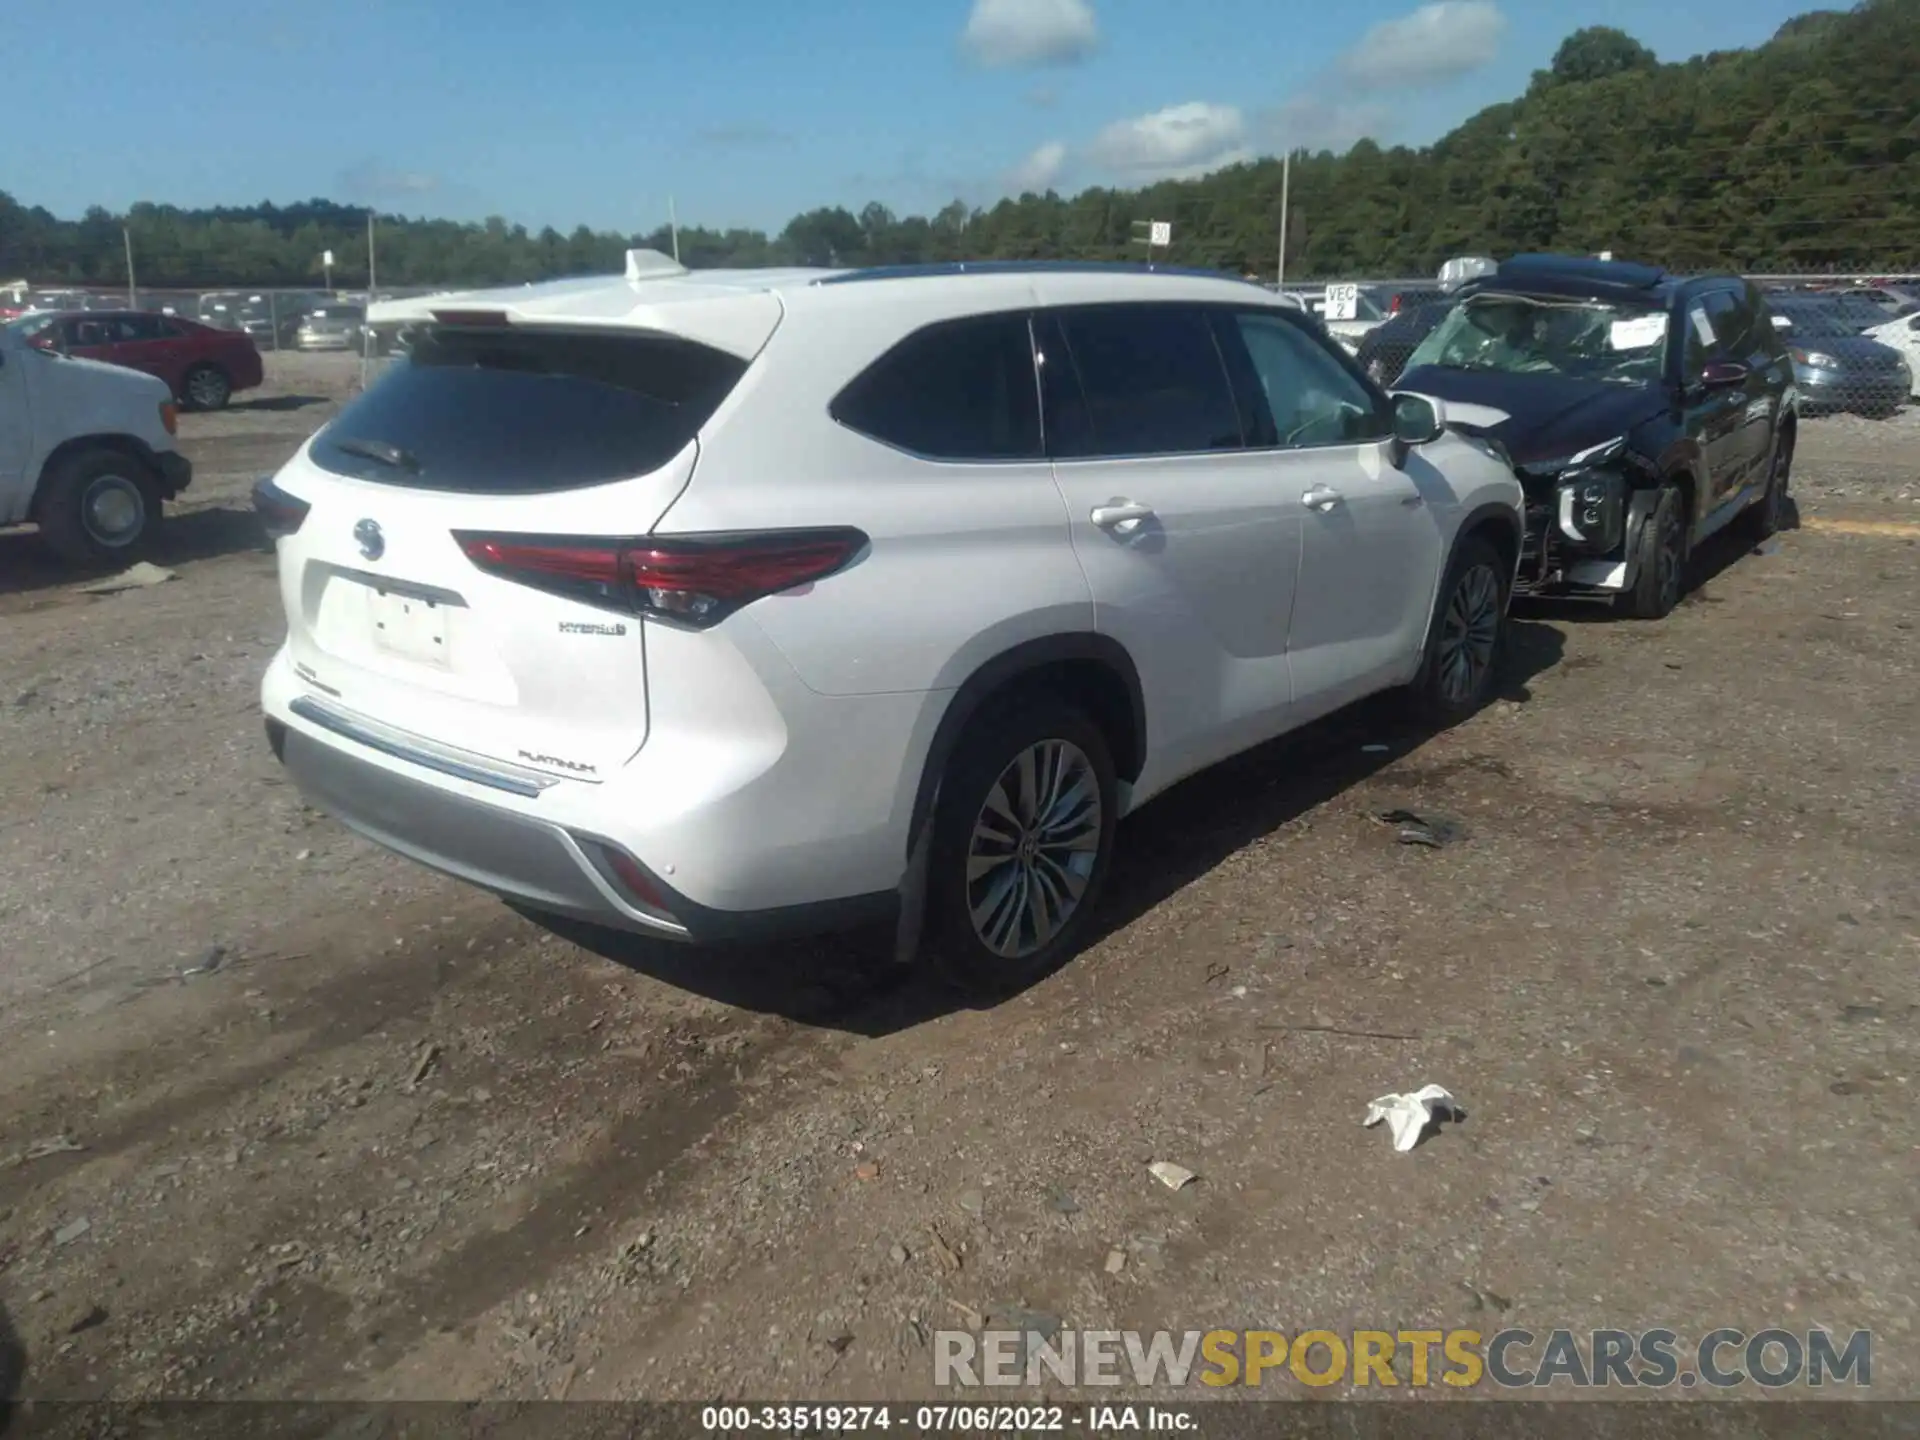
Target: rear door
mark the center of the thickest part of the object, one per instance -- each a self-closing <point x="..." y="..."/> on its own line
<point x="553" y="444"/>
<point x="1185" y="538"/>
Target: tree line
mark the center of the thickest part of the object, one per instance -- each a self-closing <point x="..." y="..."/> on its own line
<point x="1801" y="154"/>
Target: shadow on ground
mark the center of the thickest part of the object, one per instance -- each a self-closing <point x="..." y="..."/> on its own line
<point x="850" y="983"/>
<point x="276" y="404"/>
<point x="26" y="565"/>
<point x="1716" y="555"/>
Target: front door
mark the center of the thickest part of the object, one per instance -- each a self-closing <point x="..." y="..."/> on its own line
<point x="1716" y="419"/>
<point x="1372" y="547"/>
<point x="1190" y="545"/>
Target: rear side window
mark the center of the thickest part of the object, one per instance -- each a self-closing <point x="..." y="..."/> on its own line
<point x="522" y="412"/>
<point x="1151" y="382"/>
<point x="959" y="390"/>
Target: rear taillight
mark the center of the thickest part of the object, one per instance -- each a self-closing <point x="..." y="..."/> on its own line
<point x="693" y="580"/>
<point x="280" y="513"/>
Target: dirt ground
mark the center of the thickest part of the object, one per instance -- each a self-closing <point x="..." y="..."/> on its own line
<point x="281" y="1115"/>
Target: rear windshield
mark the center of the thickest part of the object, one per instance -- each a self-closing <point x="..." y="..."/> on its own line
<point x="493" y="412"/>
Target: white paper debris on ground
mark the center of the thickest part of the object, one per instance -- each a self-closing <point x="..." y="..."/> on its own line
<point x="135" y="577"/>
<point x="1174" y="1177"/>
<point x="1408" y="1116"/>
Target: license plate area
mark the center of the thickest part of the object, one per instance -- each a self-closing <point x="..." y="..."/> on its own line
<point x="409" y="627"/>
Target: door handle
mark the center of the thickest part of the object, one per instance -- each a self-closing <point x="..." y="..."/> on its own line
<point x="1121" y="516"/>
<point x="1322" y="498"/>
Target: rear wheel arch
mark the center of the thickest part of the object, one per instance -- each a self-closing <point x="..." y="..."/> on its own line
<point x="1093" y="672"/>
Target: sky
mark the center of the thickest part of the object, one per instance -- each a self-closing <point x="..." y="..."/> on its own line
<point x="745" y="112"/>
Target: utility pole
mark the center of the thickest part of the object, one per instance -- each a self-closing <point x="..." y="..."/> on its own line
<point x="133" y="299"/>
<point x="366" y="324"/>
<point x="673" y="229"/>
<point x="1286" y="184"/>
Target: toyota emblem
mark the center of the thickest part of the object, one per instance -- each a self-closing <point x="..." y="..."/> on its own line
<point x="372" y="543"/>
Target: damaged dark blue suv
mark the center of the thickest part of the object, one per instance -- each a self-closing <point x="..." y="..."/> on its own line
<point x="1642" y="411"/>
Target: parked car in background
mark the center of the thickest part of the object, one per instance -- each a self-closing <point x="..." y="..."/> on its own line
<point x="1642" y="411"/>
<point x="331" y="327"/>
<point x="541" y="639"/>
<point x="1903" y="335"/>
<point x="1897" y="301"/>
<point x="1855" y="309"/>
<point x="87" y="450"/>
<point x="1369" y="310"/>
<point x="200" y="365"/>
<point x="1836" y="367"/>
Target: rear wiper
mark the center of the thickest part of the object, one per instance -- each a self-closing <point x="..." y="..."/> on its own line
<point x="378" y="450"/>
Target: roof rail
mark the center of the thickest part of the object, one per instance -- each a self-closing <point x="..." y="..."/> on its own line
<point x="1017" y="267"/>
<point x="1614" y="272"/>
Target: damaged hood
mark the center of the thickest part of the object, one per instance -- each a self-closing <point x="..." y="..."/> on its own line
<point x="1537" y="418"/>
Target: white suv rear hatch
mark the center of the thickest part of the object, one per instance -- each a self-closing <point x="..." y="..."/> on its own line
<point x="491" y="442"/>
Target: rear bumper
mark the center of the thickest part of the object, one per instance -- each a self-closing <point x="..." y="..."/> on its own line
<point x="536" y="863"/>
<point x="734" y="844"/>
<point x="175" y="471"/>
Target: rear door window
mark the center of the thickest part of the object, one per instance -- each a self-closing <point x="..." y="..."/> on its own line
<point x="960" y="390"/>
<point x="1151" y="382"/>
<point x="522" y="412"/>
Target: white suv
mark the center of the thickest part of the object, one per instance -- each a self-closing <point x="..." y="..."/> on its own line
<point x="717" y="604"/>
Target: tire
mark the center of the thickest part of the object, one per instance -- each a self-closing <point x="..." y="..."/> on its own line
<point x="1660" y="559"/>
<point x="1004" y="767"/>
<point x="205" y="387"/>
<point x="1767" y="514"/>
<point x="98" y="508"/>
<point x="1466" y="639"/>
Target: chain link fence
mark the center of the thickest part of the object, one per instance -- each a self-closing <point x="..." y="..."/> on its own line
<point x="1854" y="339"/>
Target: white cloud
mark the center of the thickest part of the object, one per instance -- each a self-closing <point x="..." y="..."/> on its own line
<point x="1040" y="171"/>
<point x="1004" y="33"/>
<point x="1322" y="122"/>
<point x="1176" y="143"/>
<point x="1440" y="41"/>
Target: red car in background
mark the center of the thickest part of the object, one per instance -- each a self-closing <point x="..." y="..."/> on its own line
<point x="202" y="365"/>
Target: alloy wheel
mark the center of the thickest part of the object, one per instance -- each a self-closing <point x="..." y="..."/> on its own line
<point x="1033" y="848"/>
<point x="1673" y="559"/>
<point x="206" y="389"/>
<point x="1469" y="634"/>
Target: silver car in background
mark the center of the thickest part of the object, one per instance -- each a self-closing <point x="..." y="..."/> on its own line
<point x="331" y="327"/>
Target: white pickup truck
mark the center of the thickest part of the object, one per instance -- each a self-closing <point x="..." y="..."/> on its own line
<point x="87" y="450"/>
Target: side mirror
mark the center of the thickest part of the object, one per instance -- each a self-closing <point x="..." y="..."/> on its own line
<point x="1724" y="375"/>
<point x="1417" y="419"/>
